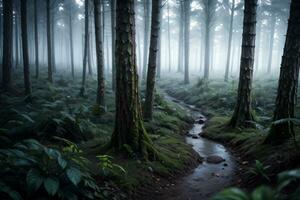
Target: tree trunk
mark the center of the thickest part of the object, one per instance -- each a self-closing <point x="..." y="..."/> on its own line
<point x="243" y="115"/>
<point x="89" y="56"/>
<point x="25" y="47"/>
<point x="36" y="39"/>
<point x="71" y="42"/>
<point x="257" y="53"/>
<point x="169" y="37"/>
<point x="49" y="43"/>
<point x="181" y="38"/>
<point x="159" y="47"/>
<point x="207" y="39"/>
<point x="140" y="54"/>
<point x="155" y="27"/>
<point x="186" y="40"/>
<point x="16" y="38"/>
<point x="113" y="40"/>
<point x="146" y="36"/>
<point x="53" y="43"/>
<point x="272" y="34"/>
<point x="229" y="42"/>
<point x="86" y="46"/>
<point x="129" y="133"/>
<point x="288" y="81"/>
<point x="7" y="44"/>
<point x="99" y="53"/>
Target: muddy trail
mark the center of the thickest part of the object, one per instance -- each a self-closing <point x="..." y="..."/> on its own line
<point x="217" y="171"/>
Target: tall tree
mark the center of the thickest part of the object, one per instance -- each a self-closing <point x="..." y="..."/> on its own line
<point x="129" y="127"/>
<point x="288" y="80"/>
<point x="159" y="48"/>
<point x="49" y="43"/>
<point x="36" y="39"/>
<point x="229" y="40"/>
<point x="181" y="37"/>
<point x="86" y="46"/>
<point x="99" y="53"/>
<point x="7" y="44"/>
<point x="243" y="111"/>
<point x="25" y="47"/>
<point x="209" y="11"/>
<point x="155" y="27"/>
<point x="271" y="44"/>
<point x="17" y="34"/>
<point x="187" y="8"/>
<point x="147" y="13"/>
<point x="169" y="36"/>
<point x="113" y="40"/>
<point x="71" y="39"/>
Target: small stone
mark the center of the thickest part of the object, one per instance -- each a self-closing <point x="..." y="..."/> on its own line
<point x="214" y="159"/>
<point x="201" y="121"/>
<point x="225" y="164"/>
<point x="195" y="137"/>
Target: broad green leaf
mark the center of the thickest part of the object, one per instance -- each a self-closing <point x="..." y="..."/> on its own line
<point x="62" y="162"/>
<point x="263" y="193"/>
<point x="51" y="185"/>
<point x="231" y="194"/>
<point x="74" y="175"/>
<point x="285" y="178"/>
<point x="34" y="179"/>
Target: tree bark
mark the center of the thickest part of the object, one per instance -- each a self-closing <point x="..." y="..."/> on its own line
<point x="129" y="133"/>
<point x="243" y="115"/>
<point x="181" y="38"/>
<point x="99" y="53"/>
<point x="89" y="56"/>
<point x="71" y="42"/>
<point x="16" y="37"/>
<point x="49" y="43"/>
<point x="155" y="27"/>
<point x="146" y="36"/>
<point x="159" y="48"/>
<point x="36" y="37"/>
<point x="85" y="51"/>
<point x="27" y="82"/>
<point x="169" y="37"/>
<point x="186" y="40"/>
<point x="288" y="81"/>
<point x="229" y="41"/>
<point x="7" y="44"/>
<point x="272" y="34"/>
<point x="113" y="40"/>
<point x="207" y="38"/>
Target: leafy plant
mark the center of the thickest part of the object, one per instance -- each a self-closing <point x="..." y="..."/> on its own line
<point x="107" y="166"/>
<point x="260" y="170"/>
<point x="45" y="171"/>
<point x="264" y="192"/>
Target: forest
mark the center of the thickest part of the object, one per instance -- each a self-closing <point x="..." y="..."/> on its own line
<point x="149" y="99"/>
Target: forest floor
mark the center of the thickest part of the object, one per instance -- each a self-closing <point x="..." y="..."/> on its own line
<point x="258" y="163"/>
<point x="57" y="111"/>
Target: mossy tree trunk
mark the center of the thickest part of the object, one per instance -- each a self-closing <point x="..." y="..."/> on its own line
<point x="129" y="129"/>
<point x="26" y="69"/>
<point x="7" y="44"/>
<point x="288" y="80"/>
<point x="187" y="8"/>
<point x="49" y="43"/>
<point x="243" y="112"/>
<point x="155" y="30"/>
<point x="99" y="53"/>
<point x="86" y="46"/>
